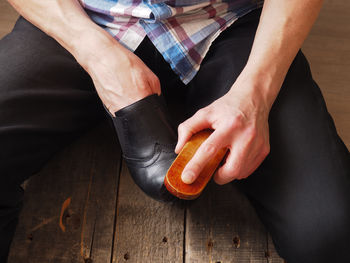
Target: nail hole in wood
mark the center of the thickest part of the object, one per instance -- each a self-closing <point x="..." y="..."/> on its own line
<point x="210" y="244"/>
<point x="165" y="239"/>
<point x="267" y="254"/>
<point x="236" y="241"/>
<point x="88" y="260"/>
<point x="126" y="256"/>
<point x="30" y="237"/>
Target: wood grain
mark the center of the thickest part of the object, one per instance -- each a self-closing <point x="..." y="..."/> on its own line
<point x="221" y="226"/>
<point x="226" y="219"/>
<point x="84" y="174"/>
<point x="272" y="256"/>
<point x="147" y="230"/>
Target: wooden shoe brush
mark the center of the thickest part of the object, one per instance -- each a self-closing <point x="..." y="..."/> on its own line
<point x="173" y="181"/>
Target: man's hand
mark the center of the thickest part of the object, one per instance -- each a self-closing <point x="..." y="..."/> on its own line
<point x="240" y="118"/>
<point x="120" y="77"/>
<point x="240" y="123"/>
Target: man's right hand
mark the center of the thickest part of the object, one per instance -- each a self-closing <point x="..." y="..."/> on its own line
<point x="120" y="77"/>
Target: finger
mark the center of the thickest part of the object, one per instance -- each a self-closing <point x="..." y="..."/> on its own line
<point x="156" y="86"/>
<point x="244" y="158"/>
<point x="196" y="123"/>
<point x="154" y="83"/>
<point x="203" y="155"/>
<point x="252" y="167"/>
<point x="235" y="163"/>
<point x="255" y="162"/>
<point x="226" y="173"/>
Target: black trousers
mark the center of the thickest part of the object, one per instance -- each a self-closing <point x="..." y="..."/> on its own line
<point x="301" y="191"/>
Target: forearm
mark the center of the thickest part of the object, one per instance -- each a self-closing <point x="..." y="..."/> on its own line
<point x="67" y="22"/>
<point x="240" y="118"/>
<point x="283" y="28"/>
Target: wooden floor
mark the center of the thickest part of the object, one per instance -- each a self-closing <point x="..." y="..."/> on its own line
<point x="78" y="209"/>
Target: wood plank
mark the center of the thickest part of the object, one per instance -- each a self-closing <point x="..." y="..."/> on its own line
<point x="272" y="255"/>
<point x="7" y="18"/>
<point x="327" y="48"/>
<point x="147" y="230"/>
<point x="221" y="226"/>
<point x="100" y="218"/>
<point x="86" y="174"/>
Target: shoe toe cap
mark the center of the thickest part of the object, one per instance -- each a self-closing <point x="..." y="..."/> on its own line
<point x="149" y="175"/>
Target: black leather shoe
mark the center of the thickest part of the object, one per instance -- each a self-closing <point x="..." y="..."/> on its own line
<point x="148" y="140"/>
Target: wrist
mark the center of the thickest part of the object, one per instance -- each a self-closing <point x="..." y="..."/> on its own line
<point x="94" y="46"/>
<point x="262" y="84"/>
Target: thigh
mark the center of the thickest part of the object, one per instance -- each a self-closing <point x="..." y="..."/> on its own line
<point x="301" y="191"/>
<point x="46" y="99"/>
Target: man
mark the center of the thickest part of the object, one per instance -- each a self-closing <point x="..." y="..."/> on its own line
<point x="253" y="87"/>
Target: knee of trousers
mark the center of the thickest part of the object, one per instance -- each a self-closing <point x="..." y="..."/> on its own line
<point x="324" y="237"/>
<point x="20" y="156"/>
<point x="40" y="111"/>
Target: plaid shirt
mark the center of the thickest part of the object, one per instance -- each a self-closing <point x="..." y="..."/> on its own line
<point x="181" y="30"/>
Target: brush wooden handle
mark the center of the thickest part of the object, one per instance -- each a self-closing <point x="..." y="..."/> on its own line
<point x="172" y="180"/>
